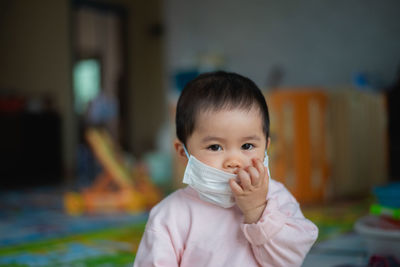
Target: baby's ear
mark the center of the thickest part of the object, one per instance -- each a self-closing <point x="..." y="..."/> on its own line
<point x="180" y="151"/>
<point x="268" y="142"/>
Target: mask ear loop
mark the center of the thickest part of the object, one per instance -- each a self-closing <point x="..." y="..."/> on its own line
<point x="186" y="152"/>
<point x="266" y="162"/>
<point x="266" y="159"/>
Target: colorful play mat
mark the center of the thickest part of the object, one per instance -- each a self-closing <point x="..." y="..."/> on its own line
<point x="35" y="231"/>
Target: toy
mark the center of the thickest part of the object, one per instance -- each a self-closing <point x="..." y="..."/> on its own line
<point x="116" y="189"/>
<point x="390" y="212"/>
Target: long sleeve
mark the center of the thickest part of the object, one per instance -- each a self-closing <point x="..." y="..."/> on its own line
<point x="283" y="236"/>
<point x="155" y="250"/>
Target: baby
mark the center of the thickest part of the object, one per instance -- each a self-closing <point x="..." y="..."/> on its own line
<point x="231" y="213"/>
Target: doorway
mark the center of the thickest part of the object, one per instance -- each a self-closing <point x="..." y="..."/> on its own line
<point x="99" y="71"/>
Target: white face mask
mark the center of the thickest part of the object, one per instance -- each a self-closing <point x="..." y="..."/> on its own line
<point x="211" y="184"/>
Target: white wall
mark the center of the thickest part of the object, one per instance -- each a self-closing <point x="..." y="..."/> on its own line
<point x="316" y="42"/>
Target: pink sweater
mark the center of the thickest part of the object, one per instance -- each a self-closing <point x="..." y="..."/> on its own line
<point x="185" y="231"/>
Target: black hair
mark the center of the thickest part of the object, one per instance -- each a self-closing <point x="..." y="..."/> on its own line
<point x="217" y="91"/>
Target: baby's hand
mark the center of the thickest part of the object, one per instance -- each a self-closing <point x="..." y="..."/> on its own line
<point x="250" y="191"/>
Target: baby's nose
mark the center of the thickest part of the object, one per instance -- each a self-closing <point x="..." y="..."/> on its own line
<point x="232" y="164"/>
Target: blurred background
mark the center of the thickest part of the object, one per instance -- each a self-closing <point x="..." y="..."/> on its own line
<point x="88" y="90"/>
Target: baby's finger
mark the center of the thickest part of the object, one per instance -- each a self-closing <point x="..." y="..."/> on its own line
<point x="235" y="187"/>
<point x="259" y="166"/>
<point x="254" y="176"/>
<point x="244" y="179"/>
<point x="262" y="170"/>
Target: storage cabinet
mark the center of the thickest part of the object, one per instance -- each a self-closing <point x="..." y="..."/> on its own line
<point x="30" y="149"/>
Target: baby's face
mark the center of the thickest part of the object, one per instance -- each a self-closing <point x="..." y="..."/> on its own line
<point x="228" y="139"/>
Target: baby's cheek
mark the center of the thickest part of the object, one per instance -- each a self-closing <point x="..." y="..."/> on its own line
<point x="210" y="160"/>
<point x="248" y="164"/>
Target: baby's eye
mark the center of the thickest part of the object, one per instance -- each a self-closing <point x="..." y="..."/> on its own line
<point x="214" y="147"/>
<point x="247" y="146"/>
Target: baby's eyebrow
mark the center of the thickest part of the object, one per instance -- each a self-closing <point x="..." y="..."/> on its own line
<point x="212" y="138"/>
<point x="251" y="137"/>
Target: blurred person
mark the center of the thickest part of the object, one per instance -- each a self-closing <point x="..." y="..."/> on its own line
<point x="232" y="213"/>
<point x="103" y="112"/>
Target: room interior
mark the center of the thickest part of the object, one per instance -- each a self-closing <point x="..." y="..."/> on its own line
<point x="330" y="73"/>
